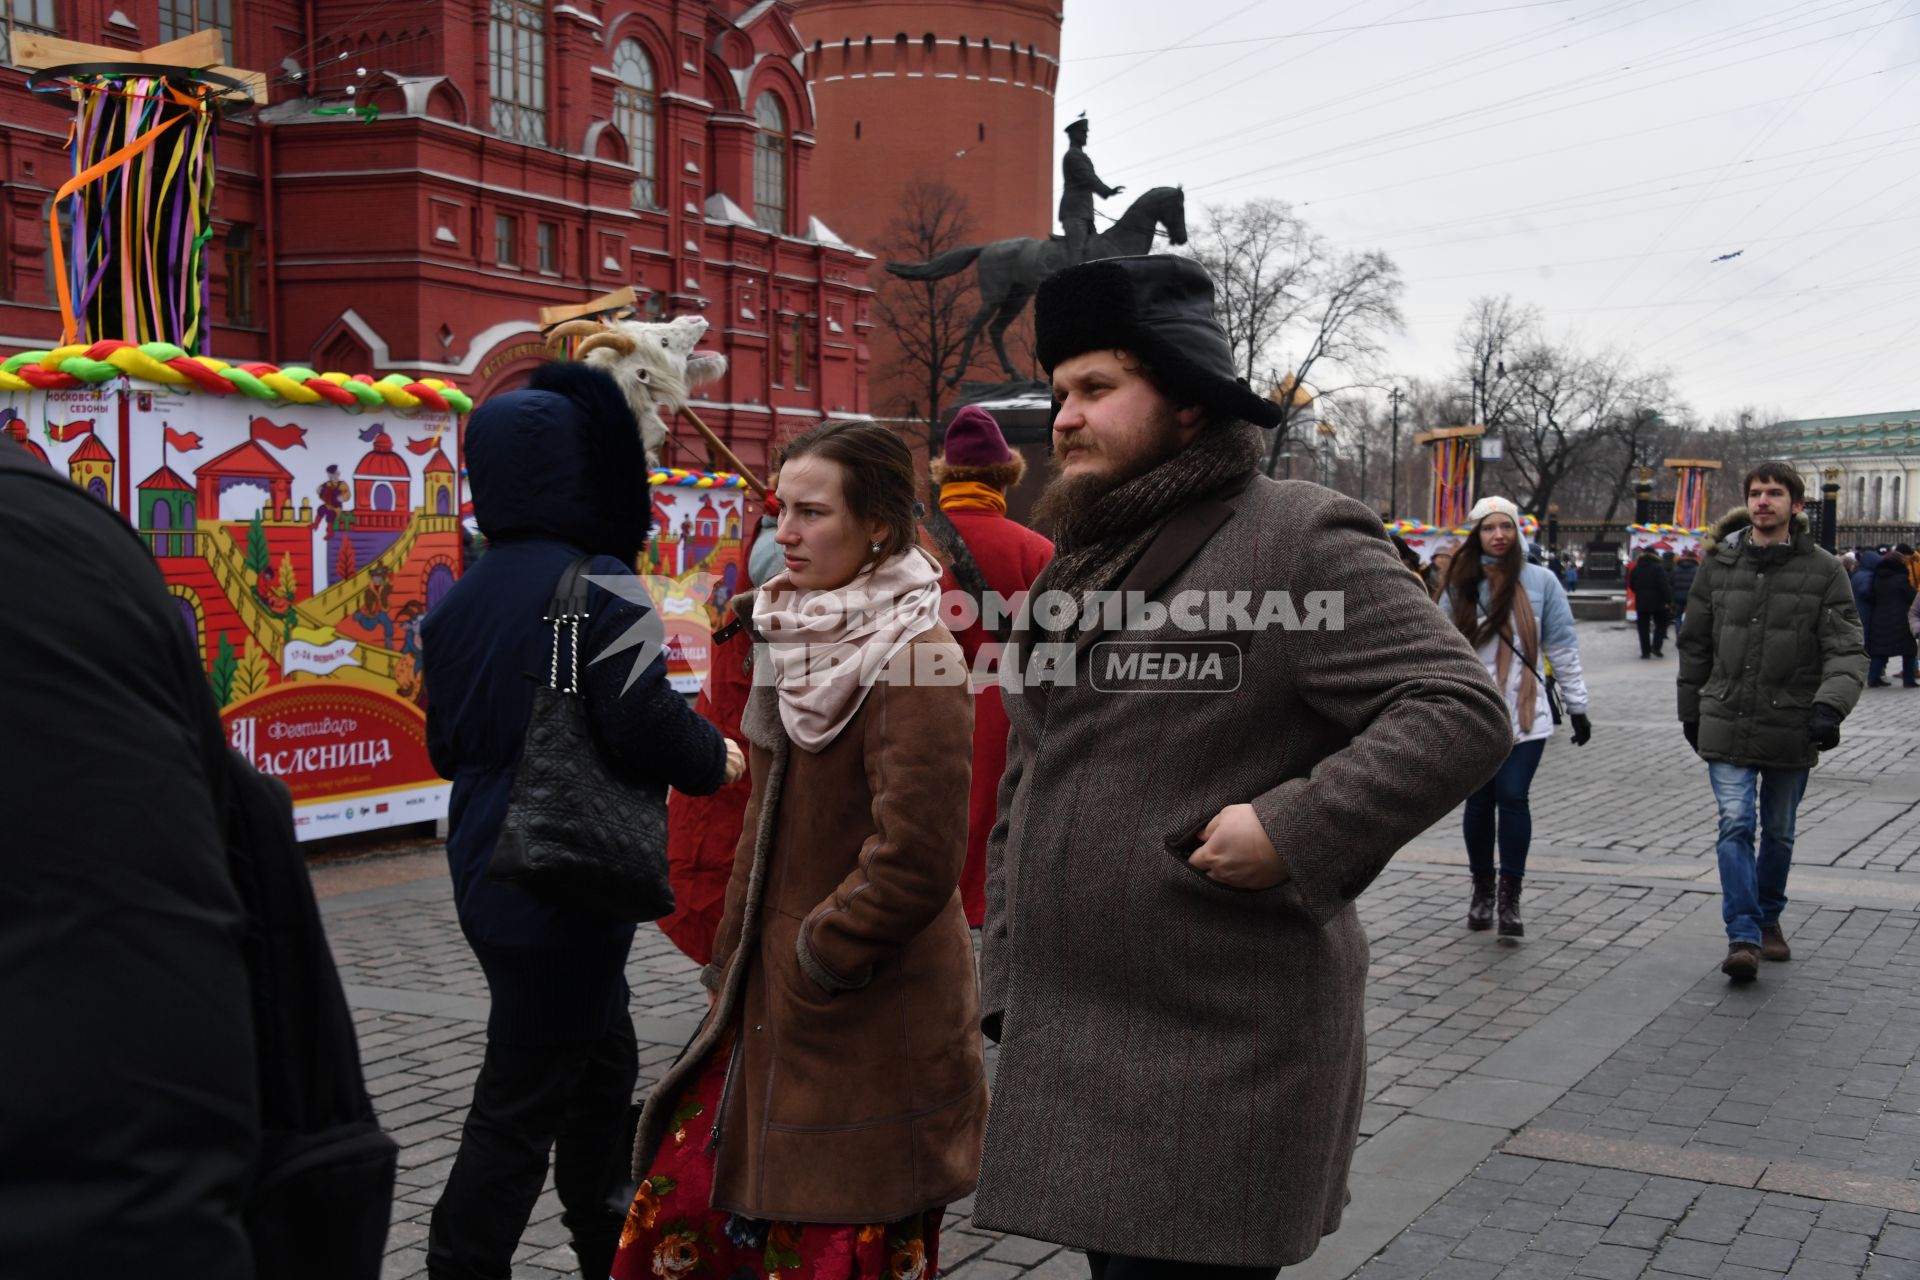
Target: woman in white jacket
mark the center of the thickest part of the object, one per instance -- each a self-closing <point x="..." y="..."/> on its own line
<point x="1514" y="613"/>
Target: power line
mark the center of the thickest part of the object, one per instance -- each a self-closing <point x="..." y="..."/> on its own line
<point x="1525" y="100"/>
<point x="1298" y="35"/>
<point x="1170" y="48"/>
<point x="1522" y="157"/>
<point x="1190" y="150"/>
<point x="1840" y="58"/>
<point x="1214" y="72"/>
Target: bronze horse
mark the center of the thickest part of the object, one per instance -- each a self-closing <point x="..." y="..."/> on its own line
<point x="1011" y="270"/>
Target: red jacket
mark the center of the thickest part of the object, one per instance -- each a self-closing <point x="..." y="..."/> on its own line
<point x="1010" y="557"/>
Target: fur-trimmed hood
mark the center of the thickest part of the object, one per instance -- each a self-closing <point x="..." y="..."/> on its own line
<point x="1737" y="520"/>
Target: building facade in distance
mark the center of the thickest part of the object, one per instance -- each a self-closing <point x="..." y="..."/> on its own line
<point x="955" y="92"/>
<point x="427" y="176"/>
<point x="1877" y="456"/>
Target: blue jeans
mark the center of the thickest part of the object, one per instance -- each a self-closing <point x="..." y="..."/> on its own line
<point x="1506" y="796"/>
<point x="1753" y="891"/>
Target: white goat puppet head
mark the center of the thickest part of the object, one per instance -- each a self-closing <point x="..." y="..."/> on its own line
<point x="653" y="361"/>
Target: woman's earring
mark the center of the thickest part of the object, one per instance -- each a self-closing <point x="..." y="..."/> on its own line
<point x="875" y="548"/>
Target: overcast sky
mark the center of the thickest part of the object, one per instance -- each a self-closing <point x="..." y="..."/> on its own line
<point x="1589" y="156"/>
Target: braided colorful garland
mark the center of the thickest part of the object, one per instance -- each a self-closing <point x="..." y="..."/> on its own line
<point x="1420" y="529"/>
<point x="695" y="479"/>
<point x="67" y="368"/>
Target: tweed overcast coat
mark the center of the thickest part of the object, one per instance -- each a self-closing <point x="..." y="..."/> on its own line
<point x="1182" y="1064"/>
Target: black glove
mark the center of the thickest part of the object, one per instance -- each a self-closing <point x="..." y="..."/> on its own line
<point x="1692" y="729"/>
<point x="1823" y="726"/>
<point x="1582" y="727"/>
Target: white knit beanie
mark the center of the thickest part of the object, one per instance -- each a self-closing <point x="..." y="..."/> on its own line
<point x="1494" y="506"/>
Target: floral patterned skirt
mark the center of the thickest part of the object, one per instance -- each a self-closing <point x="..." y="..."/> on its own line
<point x="672" y="1233"/>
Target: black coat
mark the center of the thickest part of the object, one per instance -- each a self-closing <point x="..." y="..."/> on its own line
<point x="1684" y="572"/>
<point x="1891" y="592"/>
<point x="556" y="471"/>
<point x="1651" y="587"/>
<point x="129" y="1119"/>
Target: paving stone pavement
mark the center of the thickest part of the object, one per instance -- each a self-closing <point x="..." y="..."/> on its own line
<point x="1674" y="1127"/>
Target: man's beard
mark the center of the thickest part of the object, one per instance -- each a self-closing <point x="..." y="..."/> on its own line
<point x="1067" y="497"/>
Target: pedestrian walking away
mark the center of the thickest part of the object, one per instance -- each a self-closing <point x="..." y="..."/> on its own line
<point x="557" y="472"/>
<point x="1684" y="571"/>
<point x="1652" y="601"/>
<point x="1172" y="961"/>
<point x="831" y="1105"/>
<point x="1888" y="636"/>
<point x="987" y="555"/>
<point x="1515" y="614"/>
<point x="1771" y="662"/>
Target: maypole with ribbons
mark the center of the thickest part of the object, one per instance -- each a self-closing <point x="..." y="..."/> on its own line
<point x="131" y="262"/>
<point x="1690" y="490"/>
<point x="1454" y="457"/>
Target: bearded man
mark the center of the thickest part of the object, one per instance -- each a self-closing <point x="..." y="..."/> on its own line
<point x="1173" y="965"/>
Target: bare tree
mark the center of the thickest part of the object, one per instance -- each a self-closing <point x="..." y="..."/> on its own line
<point x="1263" y="260"/>
<point x="926" y="320"/>
<point x="1496" y="331"/>
<point x="1355" y="304"/>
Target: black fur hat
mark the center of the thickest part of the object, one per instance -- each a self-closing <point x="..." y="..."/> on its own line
<point x="1160" y="308"/>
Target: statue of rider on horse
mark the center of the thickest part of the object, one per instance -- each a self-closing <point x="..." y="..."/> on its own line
<point x="1010" y="271"/>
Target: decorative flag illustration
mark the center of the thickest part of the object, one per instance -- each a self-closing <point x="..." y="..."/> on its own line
<point x="61" y="432"/>
<point x="368" y="436"/>
<point x="184" y="441"/>
<point x="423" y="447"/>
<point x="279" y="437"/>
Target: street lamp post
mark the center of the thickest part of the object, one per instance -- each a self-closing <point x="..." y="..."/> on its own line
<point x="1393" y="485"/>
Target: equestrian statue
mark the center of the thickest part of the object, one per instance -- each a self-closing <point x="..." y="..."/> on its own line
<point x="1010" y="271"/>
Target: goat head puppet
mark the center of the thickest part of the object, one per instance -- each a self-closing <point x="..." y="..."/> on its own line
<point x="653" y="361"/>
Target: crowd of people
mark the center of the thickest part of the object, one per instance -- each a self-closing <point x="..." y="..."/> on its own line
<point x="1163" y="888"/>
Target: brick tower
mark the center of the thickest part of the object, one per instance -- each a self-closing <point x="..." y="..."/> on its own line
<point x="957" y="91"/>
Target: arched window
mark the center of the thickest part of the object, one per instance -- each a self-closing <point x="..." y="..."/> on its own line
<point x="635" y="108"/>
<point x="770" y="164"/>
<point x="517" y="55"/>
<point x="1895" y="511"/>
<point x="1877" y="489"/>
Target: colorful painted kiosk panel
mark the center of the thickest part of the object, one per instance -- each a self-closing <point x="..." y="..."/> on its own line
<point x="303" y="545"/>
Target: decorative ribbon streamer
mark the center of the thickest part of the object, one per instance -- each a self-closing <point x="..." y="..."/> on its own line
<point x="140" y="203"/>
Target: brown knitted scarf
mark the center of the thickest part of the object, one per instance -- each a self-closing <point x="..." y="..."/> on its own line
<point x="1095" y="545"/>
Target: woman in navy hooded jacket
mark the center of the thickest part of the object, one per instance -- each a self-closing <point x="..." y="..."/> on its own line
<point x="556" y="471"/>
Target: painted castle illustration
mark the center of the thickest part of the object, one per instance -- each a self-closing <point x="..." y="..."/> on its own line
<point x="259" y="559"/>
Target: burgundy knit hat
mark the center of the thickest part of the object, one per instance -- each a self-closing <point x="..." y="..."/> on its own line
<point x="974" y="440"/>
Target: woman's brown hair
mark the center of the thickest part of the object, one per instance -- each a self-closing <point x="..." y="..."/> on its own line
<point x="1463" y="587"/>
<point x="876" y="476"/>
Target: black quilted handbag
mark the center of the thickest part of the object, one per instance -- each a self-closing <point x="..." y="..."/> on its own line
<point x="579" y="831"/>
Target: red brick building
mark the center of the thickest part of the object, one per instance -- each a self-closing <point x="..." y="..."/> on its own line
<point x="525" y="153"/>
<point x="954" y="91"/>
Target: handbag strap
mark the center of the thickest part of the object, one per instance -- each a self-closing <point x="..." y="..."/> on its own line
<point x="1531" y="670"/>
<point x="567" y="611"/>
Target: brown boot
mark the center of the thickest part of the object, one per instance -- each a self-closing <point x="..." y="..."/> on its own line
<point x="1773" y="943"/>
<point x="1480" y="909"/>
<point x="1509" y="908"/>
<point x="1742" y="963"/>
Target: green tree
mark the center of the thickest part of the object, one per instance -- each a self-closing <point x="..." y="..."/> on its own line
<point x="221" y="676"/>
<point x="259" y="558"/>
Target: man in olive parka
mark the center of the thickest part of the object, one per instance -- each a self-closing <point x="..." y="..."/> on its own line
<point x="1771" y="661"/>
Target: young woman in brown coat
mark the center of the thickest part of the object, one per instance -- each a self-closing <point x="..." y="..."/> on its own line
<point x="834" y="1101"/>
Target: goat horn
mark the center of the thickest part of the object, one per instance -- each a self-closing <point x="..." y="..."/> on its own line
<point x="618" y="343"/>
<point x="558" y="335"/>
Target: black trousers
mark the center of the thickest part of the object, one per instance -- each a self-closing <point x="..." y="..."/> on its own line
<point x="1118" y="1266"/>
<point x="571" y="1099"/>
<point x="1653" y="630"/>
